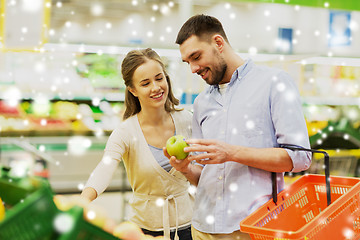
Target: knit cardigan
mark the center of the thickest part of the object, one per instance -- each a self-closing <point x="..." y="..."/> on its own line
<point x="161" y="199"/>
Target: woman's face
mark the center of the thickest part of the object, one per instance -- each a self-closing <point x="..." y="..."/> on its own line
<point x="150" y="85"/>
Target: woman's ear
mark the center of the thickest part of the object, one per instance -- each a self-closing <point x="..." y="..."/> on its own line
<point x="132" y="91"/>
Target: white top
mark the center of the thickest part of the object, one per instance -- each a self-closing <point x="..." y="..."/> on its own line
<point x="151" y="184"/>
<point x="222" y="88"/>
<point x="160" y="157"/>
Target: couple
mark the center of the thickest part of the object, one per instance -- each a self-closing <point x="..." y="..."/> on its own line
<point x="236" y="127"/>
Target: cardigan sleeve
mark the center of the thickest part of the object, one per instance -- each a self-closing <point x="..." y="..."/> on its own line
<point x="100" y="178"/>
<point x="117" y="143"/>
<point x="115" y="149"/>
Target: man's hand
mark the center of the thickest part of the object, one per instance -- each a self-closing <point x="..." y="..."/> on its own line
<point x="210" y="151"/>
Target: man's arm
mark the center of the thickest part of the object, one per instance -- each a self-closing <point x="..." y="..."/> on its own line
<point x="215" y="152"/>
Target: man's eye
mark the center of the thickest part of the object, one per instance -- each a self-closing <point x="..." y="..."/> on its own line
<point x="197" y="57"/>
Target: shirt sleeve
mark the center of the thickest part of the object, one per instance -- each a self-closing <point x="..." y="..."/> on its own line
<point x="101" y="176"/>
<point x="288" y="119"/>
<point x="196" y="128"/>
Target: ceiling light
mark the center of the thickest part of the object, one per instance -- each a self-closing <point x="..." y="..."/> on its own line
<point x="155" y="7"/>
<point x="97" y="9"/>
<point x="108" y="25"/>
<point x="165" y="9"/>
<point x="32" y="5"/>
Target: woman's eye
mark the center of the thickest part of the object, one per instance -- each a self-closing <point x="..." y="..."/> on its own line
<point x="159" y="79"/>
<point x="197" y="57"/>
<point x="145" y="84"/>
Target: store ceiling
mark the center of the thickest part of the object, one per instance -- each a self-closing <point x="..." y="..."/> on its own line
<point x="116" y="9"/>
<point x="93" y="16"/>
<point x="155" y="22"/>
<point x="85" y="10"/>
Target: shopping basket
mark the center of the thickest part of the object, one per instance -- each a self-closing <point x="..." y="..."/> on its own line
<point x="29" y="208"/>
<point x="302" y="211"/>
<point x="31" y="213"/>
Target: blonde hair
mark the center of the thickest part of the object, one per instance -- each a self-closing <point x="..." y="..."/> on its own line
<point x="131" y="62"/>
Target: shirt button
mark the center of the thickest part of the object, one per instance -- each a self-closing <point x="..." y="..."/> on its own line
<point x="220" y="177"/>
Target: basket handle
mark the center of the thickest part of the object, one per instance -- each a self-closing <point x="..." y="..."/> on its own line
<point x="327" y="170"/>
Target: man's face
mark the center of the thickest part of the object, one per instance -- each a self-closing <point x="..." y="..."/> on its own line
<point x="204" y="59"/>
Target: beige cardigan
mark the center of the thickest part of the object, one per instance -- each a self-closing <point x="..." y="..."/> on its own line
<point x="161" y="200"/>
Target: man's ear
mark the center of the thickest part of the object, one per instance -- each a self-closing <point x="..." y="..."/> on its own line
<point x="132" y="91"/>
<point x="219" y="42"/>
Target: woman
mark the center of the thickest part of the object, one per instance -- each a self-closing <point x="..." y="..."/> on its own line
<point x="161" y="201"/>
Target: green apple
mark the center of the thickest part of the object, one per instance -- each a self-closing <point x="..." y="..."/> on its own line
<point x="175" y="146"/>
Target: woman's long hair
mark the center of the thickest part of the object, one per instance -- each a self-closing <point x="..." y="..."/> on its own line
<point x="131" y="62"/>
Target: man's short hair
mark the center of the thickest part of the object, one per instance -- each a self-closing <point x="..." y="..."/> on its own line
<point x="202" y="26"/>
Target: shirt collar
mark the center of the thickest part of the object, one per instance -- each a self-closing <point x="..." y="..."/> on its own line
<point x="239" y="73"/>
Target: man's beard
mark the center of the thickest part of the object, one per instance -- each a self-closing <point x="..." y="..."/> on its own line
<point x="218" y="72"/>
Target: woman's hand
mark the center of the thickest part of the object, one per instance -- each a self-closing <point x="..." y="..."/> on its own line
<point x="180" y="165"/>
<point x="190" y="171"/>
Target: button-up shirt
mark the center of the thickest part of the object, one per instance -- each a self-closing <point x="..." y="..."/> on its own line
<point x="261" y="108"/>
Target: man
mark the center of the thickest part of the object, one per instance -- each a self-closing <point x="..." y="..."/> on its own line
<point x="238" y="123"/>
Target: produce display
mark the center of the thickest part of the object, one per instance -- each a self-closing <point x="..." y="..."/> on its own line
<point x="29" y="210"/>
<point x="2" y="210"/>
<point x="58" y="117"/>
<point x="97" y="215"/>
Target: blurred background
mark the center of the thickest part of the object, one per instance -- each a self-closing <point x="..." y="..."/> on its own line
<point x="61" y="90"/>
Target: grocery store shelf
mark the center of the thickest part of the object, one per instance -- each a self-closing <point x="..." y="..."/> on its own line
<point x="333" y="101"/>
<point x="50" y="143"/>
<point x="331" y="4"/>
<point x="111" y="97"/>
<point x="26" y="146"/>
<point x="68" y="170"/>
<point x="164" y="52"/>
<point x="102" y="49"/>
<point x="334" y="61"/>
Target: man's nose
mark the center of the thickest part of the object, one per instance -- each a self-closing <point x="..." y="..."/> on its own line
<point x="194" y="68"/>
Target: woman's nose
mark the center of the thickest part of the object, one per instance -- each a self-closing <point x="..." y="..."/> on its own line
<point x="155" y="85"/>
